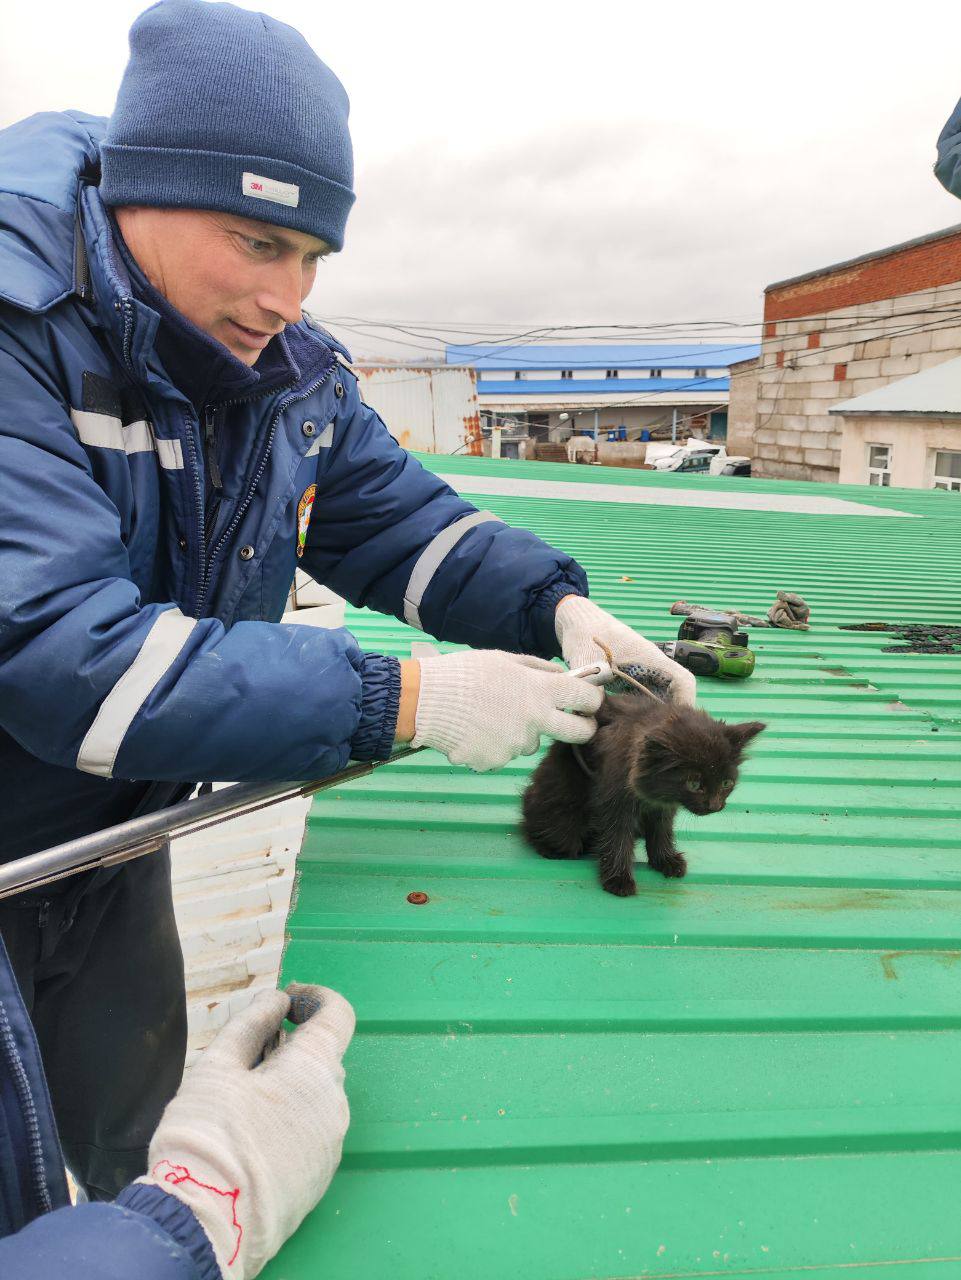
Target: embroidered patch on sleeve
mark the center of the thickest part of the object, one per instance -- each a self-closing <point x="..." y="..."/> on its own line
<point x="304" y="508"/>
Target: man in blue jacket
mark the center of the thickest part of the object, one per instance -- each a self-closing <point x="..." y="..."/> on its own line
<point x="175" y="438"/>
<point x="243" y="1152"/>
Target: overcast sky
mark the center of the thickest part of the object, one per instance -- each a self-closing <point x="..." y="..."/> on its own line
<point x="532" y="163"/>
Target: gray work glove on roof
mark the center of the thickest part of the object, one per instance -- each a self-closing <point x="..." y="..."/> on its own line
<point x="579" y="624"/>
<point x="484" y="707"/>
<point x="250" y="1143"/>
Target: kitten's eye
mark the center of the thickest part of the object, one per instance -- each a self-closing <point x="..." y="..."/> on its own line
<point x="727" y="784"/>
<point x="694" y="784"/>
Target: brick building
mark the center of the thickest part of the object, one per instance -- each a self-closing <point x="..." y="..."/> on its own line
<point x="838" y="333"/>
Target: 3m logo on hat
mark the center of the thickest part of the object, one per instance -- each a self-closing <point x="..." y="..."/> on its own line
<point x="261" y="188"/>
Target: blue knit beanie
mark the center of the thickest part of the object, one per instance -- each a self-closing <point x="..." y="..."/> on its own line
<point x="222" y="108"/>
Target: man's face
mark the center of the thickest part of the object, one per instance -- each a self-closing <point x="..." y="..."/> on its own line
<point x="238" y="280"/>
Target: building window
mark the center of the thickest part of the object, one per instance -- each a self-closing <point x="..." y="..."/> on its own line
<point x="610" y="373"/>
<point x="947" y="471"/>
<point x="879" y="464"/>
<point x="656" y="373"/>
<point x="517" y="375"/>
<point x="567" y="373"/>
<point x="700" y="373"/>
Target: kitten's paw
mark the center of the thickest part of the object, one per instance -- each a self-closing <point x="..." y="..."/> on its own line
<point x="621" y="886"/>
<point x="674" y="867"/>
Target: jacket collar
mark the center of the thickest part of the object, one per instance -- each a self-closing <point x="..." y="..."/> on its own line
<point x="103" y="282"/>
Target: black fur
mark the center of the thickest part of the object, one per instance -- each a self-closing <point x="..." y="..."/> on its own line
<point x="644" y="760"/>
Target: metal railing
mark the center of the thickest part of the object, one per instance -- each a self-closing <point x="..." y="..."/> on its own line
<point x="153" y="831"/>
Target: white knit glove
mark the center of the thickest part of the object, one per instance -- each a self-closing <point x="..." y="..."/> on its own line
<point x="483" y="707"/>
<point x="579" y="621"/>
<point x="249" y="1145"/>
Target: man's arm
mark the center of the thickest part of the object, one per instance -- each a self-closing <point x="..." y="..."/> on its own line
<point x="389" y="535"/>
<point x="92" y="678"/>
<point x="110" y="1242"/>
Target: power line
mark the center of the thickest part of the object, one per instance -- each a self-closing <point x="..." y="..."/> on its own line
<point x="415" y="339"/>
<point x="599" y="332"/>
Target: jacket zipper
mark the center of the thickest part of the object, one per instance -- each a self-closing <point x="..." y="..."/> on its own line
<point x="205" y="559"/>
<point x="21" y="1084"/>
<point x="210" y="448"/>
<point x="262" y="466"/>
<point x="126" y="309"/>
<point x="199" y="506"/>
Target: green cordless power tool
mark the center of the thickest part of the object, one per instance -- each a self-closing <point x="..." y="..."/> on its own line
<point x="709" y="644"/>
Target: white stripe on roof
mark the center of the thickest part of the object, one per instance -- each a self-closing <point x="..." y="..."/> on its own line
<point x="737" y="499"/>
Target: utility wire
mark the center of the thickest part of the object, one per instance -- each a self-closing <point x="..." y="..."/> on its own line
<point x="482" y="334"/>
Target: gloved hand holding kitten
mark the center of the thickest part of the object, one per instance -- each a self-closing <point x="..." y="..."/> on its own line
<point x="482" y="708"/>
<point x="580" y="624"/>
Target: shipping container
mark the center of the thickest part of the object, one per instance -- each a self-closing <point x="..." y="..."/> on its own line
<point x="429" y="408"/>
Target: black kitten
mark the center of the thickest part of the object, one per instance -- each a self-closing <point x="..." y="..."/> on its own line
<point x="647" y="760"/>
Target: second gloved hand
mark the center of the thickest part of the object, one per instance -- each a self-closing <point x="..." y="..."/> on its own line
<point x="483" y="708"/>
<point x="579" y="623"/>
<point x="250" y="1143"/>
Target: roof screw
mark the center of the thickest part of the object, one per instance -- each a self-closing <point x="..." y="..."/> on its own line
<point x="418" y="899"/>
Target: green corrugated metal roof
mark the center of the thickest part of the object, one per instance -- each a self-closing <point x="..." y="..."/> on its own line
<point x="753" y="1071"/>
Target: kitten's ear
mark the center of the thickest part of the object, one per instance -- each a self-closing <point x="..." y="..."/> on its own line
<point x="741" y="734"/>
<point x="657" y="749"/>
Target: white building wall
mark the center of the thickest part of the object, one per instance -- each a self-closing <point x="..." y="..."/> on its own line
<point x="913" y="442"/>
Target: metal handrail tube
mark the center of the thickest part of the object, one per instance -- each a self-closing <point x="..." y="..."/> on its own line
<point x="152" y="831"/>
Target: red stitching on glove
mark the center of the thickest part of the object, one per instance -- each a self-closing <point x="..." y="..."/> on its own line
<point x="180" y="1173"/>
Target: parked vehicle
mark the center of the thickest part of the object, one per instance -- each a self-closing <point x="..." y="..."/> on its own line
<point x="733" y="466"/>
<point x="686" y="460"/>
<point x="660" y="452"/>
<point x="704" y="457"/>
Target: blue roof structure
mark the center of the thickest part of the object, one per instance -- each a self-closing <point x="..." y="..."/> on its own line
<point x="633" y="355"/>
